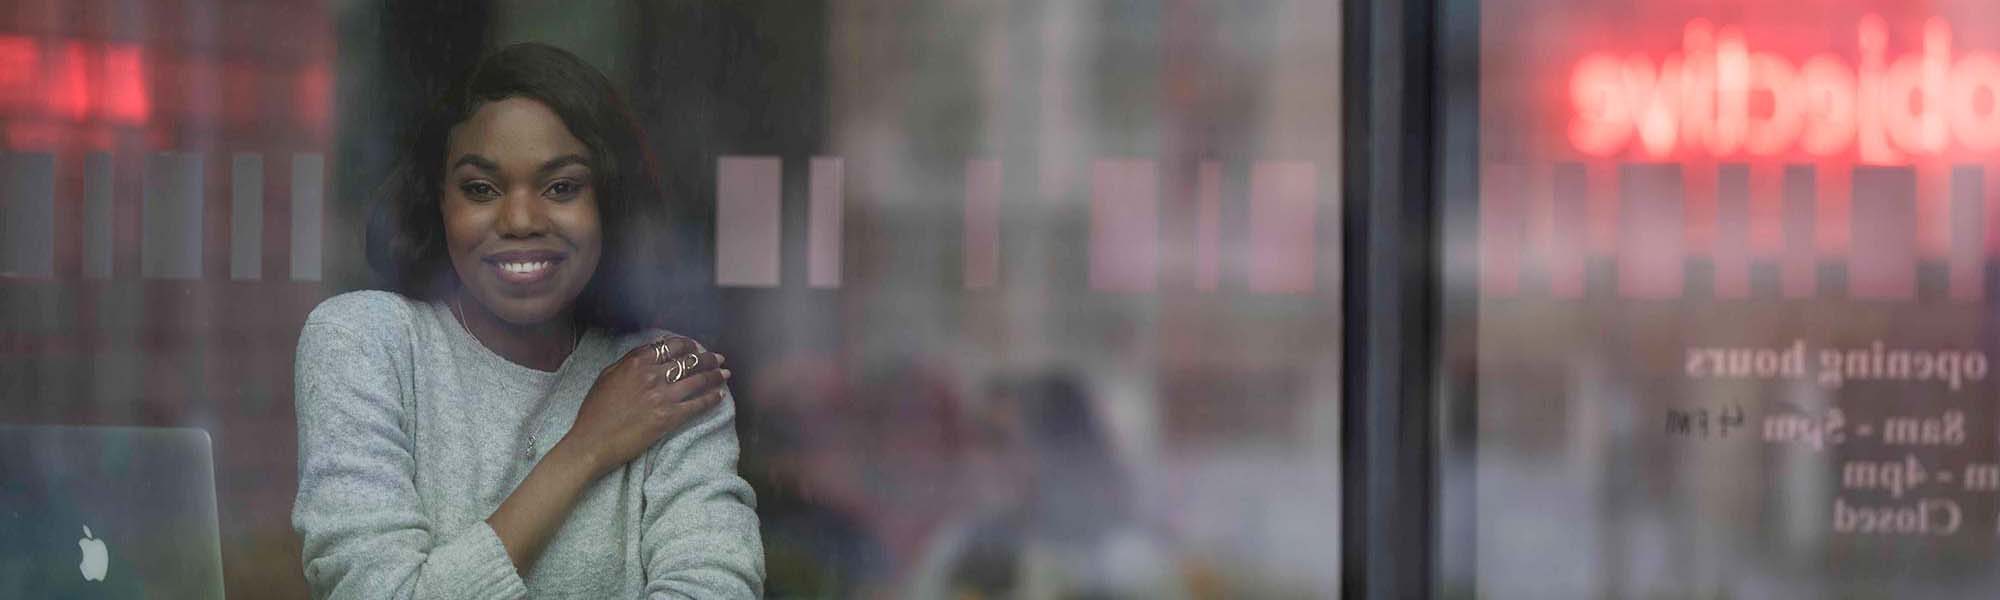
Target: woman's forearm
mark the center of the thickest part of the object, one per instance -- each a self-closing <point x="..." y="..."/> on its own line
<point x="532" y="514"/>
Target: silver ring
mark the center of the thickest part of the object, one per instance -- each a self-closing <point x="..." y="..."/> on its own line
<point x="675" y="373"/>
<point x="694" y="360"/>
<point x="660" y="351"/>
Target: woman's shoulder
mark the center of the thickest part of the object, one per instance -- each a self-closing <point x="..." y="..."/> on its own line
<point x="366" y="313"/>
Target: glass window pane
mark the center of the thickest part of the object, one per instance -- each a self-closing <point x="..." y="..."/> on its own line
<point x="1731" y="296"/>
<point x="1035" y="298"/>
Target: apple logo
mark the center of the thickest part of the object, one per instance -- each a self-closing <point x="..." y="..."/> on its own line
<point x="95" y="558"/>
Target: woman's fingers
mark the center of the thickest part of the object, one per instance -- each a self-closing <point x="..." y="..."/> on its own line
<point x="666" y="350"/>
<point x="674" y="409"/>
<point x="693" y="385"/>
<point x="673" y="348"/>
<point x="680" y="368"/>
<point x="661" y="351"/>
<point x="700" y="361"/>
<point x="684" y="411"/>
<point x="639" y="352"/>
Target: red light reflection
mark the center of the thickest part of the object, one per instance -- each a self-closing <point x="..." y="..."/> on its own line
<point x="125" y="99"/>
<point x="20" y="69"/>
<point x="69" y="85"/>
<point x="59" y="92"/>
<point x="315" y="97"/>
<point x="1721" y="97"/>
<point x="83" y="81"/>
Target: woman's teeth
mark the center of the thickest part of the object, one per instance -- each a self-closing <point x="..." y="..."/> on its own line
<point x="525" y="267"/>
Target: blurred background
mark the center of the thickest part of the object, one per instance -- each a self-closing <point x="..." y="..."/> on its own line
<point x="1040" y="297"/>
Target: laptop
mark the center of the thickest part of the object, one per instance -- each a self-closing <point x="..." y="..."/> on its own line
<point x="107" y="512"/>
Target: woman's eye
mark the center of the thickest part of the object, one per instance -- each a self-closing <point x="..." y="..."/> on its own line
<point x="564" y="189"/>
<point x="479" y="189"/>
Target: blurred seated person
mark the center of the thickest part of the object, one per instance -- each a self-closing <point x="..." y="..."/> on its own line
<point x="1058" y="521"/>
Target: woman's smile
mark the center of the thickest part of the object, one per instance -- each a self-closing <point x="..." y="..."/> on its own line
<point x="525" y="267"/>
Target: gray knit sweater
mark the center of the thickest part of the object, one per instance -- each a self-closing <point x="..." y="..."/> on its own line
<point x="411" y="433"/>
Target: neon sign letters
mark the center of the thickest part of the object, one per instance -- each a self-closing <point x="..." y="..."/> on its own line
<point x="1720" y="97"/>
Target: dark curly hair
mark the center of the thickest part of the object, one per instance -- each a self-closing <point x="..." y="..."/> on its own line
<point x="651" y="260"/>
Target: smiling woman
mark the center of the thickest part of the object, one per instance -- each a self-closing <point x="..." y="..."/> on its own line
<point x="502" y="421"/>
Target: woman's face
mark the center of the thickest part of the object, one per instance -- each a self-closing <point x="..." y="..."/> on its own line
<point x="520" y="211"/>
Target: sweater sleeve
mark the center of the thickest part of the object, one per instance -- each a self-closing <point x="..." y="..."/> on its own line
<point x="700" y="538"/>
<point x="357" y="509"/>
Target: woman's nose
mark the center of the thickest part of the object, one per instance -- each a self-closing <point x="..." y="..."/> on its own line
<point x="522" y="214"/>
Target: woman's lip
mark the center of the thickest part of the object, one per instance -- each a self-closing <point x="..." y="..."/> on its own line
<point x="525" y="278"/>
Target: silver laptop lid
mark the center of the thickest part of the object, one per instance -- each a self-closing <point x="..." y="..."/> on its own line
<point x="107" y="512"/>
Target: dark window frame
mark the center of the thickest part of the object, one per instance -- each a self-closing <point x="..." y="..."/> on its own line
<point x="1409" y="219"/>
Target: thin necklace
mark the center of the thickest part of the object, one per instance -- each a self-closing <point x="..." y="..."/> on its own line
<point x="534" y="435"/>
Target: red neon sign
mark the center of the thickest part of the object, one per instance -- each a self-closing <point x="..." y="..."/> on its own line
<point x="83" y="81"/>
<point x="1722" y="98"/>
<point x="52" y="90"/>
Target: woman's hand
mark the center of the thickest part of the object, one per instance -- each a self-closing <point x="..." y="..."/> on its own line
<point x="634" y="402"/>
<point x="638" y="399"/>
